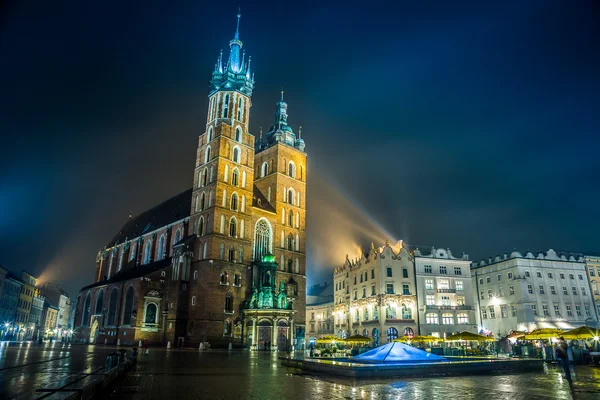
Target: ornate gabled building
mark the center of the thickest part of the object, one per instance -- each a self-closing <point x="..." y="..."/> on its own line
<point x="224" y="261"/>
<point x="375" y="295"/>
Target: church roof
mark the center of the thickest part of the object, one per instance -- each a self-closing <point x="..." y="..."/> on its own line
<point x="167" y="212"/>
<point x="133" y="273"/>
<point x="260" y="201"/>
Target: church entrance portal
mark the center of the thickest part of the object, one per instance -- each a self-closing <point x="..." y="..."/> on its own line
<point x="264" y="335"/>
<point x="282" y="338"/>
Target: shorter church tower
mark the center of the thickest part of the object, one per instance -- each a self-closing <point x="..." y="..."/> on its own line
<point x="280" y="175"/>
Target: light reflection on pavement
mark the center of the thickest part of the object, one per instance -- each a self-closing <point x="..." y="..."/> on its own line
<point x="190" y="374"/>
<point x="25" y="367"/>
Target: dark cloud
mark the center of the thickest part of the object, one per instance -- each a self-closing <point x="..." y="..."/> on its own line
<point x="471" y="126"/>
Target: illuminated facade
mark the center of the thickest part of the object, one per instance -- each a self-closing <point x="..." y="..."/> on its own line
<point x="592" y="265"/>
<point x="444" y="291"/>
<point x="375" y="295"/>
<point x="522" y="292"/>
<point x="223" y="262"/>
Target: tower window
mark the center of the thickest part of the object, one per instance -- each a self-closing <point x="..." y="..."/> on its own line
<point x="207" y="155"/>
<point x="236" y="154"/>
<point x="290" y="242"/>
<point x="204" y="177"/>
<point x="231" y="255"/>
<point x="264" y="170"/>
<point x="226" y="106"/>
<point x="234" y="202"/>
<point x="210" y="134"/>
<point x="228" y="303"/>
<point x="235" y="177"/>
<point x="291" y="218"/>
<point x="292" y="169"/>
<point x="240" y="109"/>
<point x="201" y="226"/>
<point x="233" y="227"/>
<point x="238" y="134"/>
<point x="202" y="201"/>
<point x="290" y="196"/>
<point x="262" y="239"/>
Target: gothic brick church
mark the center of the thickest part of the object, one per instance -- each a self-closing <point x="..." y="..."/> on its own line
<point x="224" y="261"/>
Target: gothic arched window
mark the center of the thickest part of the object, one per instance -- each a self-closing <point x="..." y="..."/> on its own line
<point x="210" y="133"/>
<point x="204" y="178"/>
<point x="228" y="303"/>
<point x="235" y="177"/>
<point x="238" y="134"/>
<point x="86" y="310"/>
<point x="200" y="226"/>
<point x="112" y="307"/>
<point x="207" y="155"/>
<point x="226" y="106"/>
<point x="291" y="218"/>
<point x="292" y="169"/>
<point x="99" y="302"/>
<point x="177" y="236"/>
<point x="202" y="201"/>
<point x="290" y="196"/>
<point x="262" y="239"/>
<point x="240" y="112"/>
<point x="227" y="328"/>
<point x="147" y="252"/>
<point x="290" y="242"/>
<point x="161" y="247"/>
<point x="233" y="227"/>
<point x="128" y="306"/>
<point x="264" y="170"/>
<point x="132" y="252"/>
<point x="236" y="154"/>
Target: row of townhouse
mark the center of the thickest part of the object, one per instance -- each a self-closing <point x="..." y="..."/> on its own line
<point x="404" y="290"/>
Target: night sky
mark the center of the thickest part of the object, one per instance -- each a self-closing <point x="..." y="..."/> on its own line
<point x="472" y="126"/>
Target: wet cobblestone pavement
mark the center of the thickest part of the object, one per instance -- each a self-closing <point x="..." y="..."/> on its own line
<point x="26" y="367"/>
<point x="191" y="374"/>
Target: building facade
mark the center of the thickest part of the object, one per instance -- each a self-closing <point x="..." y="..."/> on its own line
<point x="35" y="316"/>
<point x="60" y="298"/>
<point x="445" y="297"/>
<point x="49" y="319"/>
<point x="22" y="325"/>
<point x="224" y="261"/>
<point x="519" y="292"/>
<point x="320" y="321"/>
<point x="592" y="265"/>
<point x="11" y="292"/>
<point x="375" y="295"/>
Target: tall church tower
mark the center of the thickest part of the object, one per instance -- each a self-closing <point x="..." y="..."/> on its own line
<point x="224" y="174"/>
<point x="281" y="176"/>
<point x="221" y="209"/>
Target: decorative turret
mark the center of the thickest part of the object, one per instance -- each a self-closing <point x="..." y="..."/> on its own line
<point x="236" y="74"/>
<point x="281" y="131"/>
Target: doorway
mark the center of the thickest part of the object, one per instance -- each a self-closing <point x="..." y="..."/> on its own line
<point x="264" y="337"/>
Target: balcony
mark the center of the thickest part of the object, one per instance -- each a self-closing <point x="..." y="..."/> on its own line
<point x="434" y="307"/>
<point x="446" y="290"/>
<point x="400" y="321"/>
